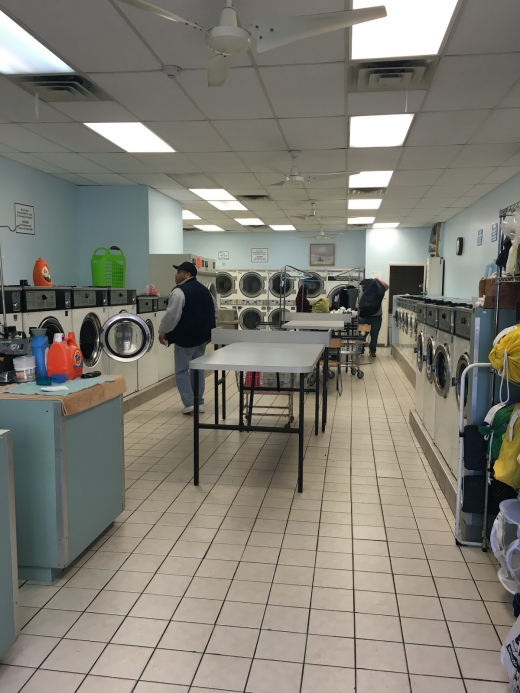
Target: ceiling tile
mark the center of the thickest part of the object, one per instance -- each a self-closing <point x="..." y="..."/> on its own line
<point x="149" y="95"/>
<point x="33" y="162"/>
<point x="502" y="125"/>
<point x="458" y="176"/>
<point x="119" y="163"/>
<point x="73" y="178"/>
<point x="73" y="136"/>
<point x="108" y="179"/>
<point x="473" y="81"/>
<point x="238" y="181"/>
<point x="512" y="98"/>
<point x="95" y="112"/>
<point x="168" y="163"/>
<point x="224" y="162"/>
<point x="484" y="155"/>
<point x="384" y="103"/>
<point x="501" y="174"/>
<point x="306" y="90"/>
<point x="74" y="163"/>
<point x="194" y="180"/>
<point x="447" y="214"/>
<point x="267" y="162"/>
<point x="402" y="192"/>
<point x="240" y="97"/>
<point x="185" y="136"/>
<point x="464" y="201"/>
<point x="90" y="35"/>
<point x="433" y="202"/>
<point x="251" y="135"/>
<point x="451" y="127"/>
<point x="7" y="148"/>
<point x="184" y="196"/>
<point x="17" y="105"/>
<point x="428" y="157"/>
<point x="481" y="190"/>
<point x="322" y="161"/>
<point x="20" y="138"/>
<point x="286" y="194"/>
<point x="374" y="158"/>
<point x="447" y="190"/>
<point x="411" y="178"/>
<point x="315" y="133"/>
<point x="154" y="180"/>
<point x="486" y="27"/>
<point x="330" y="194"/>
<point x="404" y="203"/>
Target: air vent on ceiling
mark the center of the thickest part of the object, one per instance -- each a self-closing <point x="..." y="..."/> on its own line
<point x="392" y="75"/>
<point x="61" y="87"/>
<point x="255" y="198"/>
<point x="366" y="192"/>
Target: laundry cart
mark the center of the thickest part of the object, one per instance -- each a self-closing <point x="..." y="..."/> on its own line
<point x="352" y="339"/>
<point x="252" y="384"/>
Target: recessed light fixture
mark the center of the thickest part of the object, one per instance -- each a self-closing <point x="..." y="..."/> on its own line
<point x="132" y="137"/>
<point x="370" y="179"/>
<point x="186" y="214"/>
<point x="410" y="28"/>
<point x="22" y="54"/>
<point x="254" y="221"/>
<point x="388" y="225"/>
<point x="364" y="204"/>
<point x="231" y="206"/>
<point x="212" y="194"/>
<point x="379" y="130"/>
<point x="208" y="227"/>
<point x="360" y="220"/>
<point x="282" y="227"/>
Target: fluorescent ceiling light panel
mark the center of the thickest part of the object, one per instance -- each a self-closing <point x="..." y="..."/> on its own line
<point x="360" y="220"/>
<point x="388" y="225"/>
<point x="379" y="130"/>
<point x="411" y="27"/>
<point x="254" y="221"/>
<point x="364" y="204"/>
<point x="228" y="206"/>
<point x="370" y="179"/>
<point x="132" y="137"/>
<point x="282" y="227"/>
<point x="186" y="214"/>
<point x="212" y="194"/>
<point x="208" y="227"/>
<point x="22" y="54"/>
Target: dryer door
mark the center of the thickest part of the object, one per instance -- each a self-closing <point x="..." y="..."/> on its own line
<point x="430" y="356"/>
<point x="419" y="351"/>
<point x="126" y="337"/>
<point x="249" y="318"/>
<point x="225" y="284"/>
<point x="442" y="370"/>
<point x="252" y="284"/>
<point x="280" y="287"/>
<point x="461" y="366"/>
<point x="52" y="326"/>
<point x="90" y="339"/>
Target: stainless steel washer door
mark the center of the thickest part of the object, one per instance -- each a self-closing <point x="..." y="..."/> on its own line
<point x="125" y="337"/>
<point x="249" y="318"/>
<point x="430" y="356"/>
<point x="419" y="351"/>
<point x="225" y="284"/>
<point x="252" y="284"/>
<point x="442" y="370"/>
<point x="90" y="340"/>
<point x="461" y="366"/>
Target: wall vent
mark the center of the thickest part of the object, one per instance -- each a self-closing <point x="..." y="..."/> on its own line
<point x="366" y="192"/>
<point x="255" y="198"/>
<point x="61" y="87"/>
<point x="392" y="75"/>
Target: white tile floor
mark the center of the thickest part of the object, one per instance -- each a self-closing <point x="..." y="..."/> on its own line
<point x="244" y="585"/>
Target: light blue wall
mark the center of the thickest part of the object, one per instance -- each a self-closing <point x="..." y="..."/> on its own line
<point x="463" y="272"/>
<point x="54" y="203"/>
<point x="395" y="246"/>
<point x="115" y="215"/>
<point x="165" y="224"/>
<point x="283" y="250"/>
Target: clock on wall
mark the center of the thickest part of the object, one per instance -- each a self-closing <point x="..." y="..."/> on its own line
<point x="459" y="245"/>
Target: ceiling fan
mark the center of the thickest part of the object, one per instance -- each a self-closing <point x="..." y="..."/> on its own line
<point x="228" y="38"/>
<point x="321" y="236"/>
<point x="316" y="217"/>
<point x="294" y="176"/>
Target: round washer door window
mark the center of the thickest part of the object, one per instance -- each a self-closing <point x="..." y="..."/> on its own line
<point x="225" y="284"/>
<point x="442" y="370"/>
<point x="419" y="351"/>
<point x="276" y="319"/>
<point x="90" y="340"/>
<point x="315" y="284"/>
<point x="126" y="337"/>
<point x="52" y="326"/>
<point x="251" y="284"/>
<point x="430" y="357"/>
<point x="461" y="366"/>
<point x="279" y="287"/>
<point x="249" y="319"/>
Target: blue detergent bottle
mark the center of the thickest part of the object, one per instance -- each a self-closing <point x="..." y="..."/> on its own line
<point x="40" y="348"/>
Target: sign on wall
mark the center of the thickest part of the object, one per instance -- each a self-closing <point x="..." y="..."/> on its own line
<point x="24" y="219"/>
<point x="259" y="255"/>
<point x="494" y="233"/>
<point x="480" y="236"/>
<point x="223" y="255"/>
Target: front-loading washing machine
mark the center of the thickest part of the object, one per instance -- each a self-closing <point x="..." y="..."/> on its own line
<point x="89" y="314"/>
<point x="446" y="420"/>
<point x="13" y="310"/>
<point x="429" y="387"/>
<point x="316" y="282"/>
<point x="252" y="284"/>
<point x="148" y="365"/>
<point x="251" y="313"/>
<point x="280" y="287"/>
<point x="165" y="355"/>
<point x="124" y="302"/>
<point x="420" y="355"/>
<point x="47" y="309"/>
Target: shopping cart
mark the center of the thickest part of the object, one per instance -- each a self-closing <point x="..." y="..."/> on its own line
<point x="352" y="340"/>
<point x="274" y="384"/>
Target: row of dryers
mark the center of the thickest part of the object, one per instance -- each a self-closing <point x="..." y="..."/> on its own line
<point x="113" y="338"/>
<point x="257" y="294"/>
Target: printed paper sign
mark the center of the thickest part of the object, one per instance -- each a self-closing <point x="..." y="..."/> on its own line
<point x="480" y="236"/>
<point x="259" y="254"/>
<point x="223" y="254"/>
<point x="24" y="219"/>
<point x="494" y="233"/>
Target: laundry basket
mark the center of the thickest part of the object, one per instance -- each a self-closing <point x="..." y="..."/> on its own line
<point x="505" y="544"/>
<point x="108" y="267"/>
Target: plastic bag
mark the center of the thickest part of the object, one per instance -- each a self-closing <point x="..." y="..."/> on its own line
<point x="510" y="656"/>
<point x="150" y="290"/>
<point x="321" y="305"/>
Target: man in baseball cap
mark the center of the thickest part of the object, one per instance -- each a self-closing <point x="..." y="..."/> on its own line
<point x="190" y="316"/>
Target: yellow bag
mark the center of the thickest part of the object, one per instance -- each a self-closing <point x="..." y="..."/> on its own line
<point x="506" y="467"/>
<point x="321" y="305"/>
<point x="505" y="354"/>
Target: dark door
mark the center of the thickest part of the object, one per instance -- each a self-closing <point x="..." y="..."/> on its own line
<point x="405" y="279"/>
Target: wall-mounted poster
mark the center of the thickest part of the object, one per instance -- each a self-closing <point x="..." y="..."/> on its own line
<point x="223" y="254"/>
<point x="323" y="254"/>
<point x="259" y="255"/>
<point x="494" y="233"/>
<point x="24" y="219"/>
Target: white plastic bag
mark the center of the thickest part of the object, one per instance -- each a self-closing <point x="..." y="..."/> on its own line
<point x="510" y="656"/>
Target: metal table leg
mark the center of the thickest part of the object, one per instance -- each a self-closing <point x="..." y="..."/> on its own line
<point x="301" y="417"/>
<point x="223" y="395"/>
<point x="325" y="384"/>
<point x="317" y="408"/>
<point x="251" y="399"/>
<point x="241" y="403"/>
<point x="196" y="376"/>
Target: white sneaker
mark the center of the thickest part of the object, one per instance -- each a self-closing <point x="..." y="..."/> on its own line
<point x="188" y="410"/>
<point x="202" y="409"/>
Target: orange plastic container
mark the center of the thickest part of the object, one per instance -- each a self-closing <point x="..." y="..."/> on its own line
<point x="75" y="356"/>
<point x="58" y="361"/>
<point x="41" y="273"/>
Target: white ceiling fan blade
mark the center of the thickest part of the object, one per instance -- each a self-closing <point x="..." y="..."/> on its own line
<point x="279" y="31"/>
<point x="160" y="12"/>
<point x="218" y="70"/>
<point x="277" y="185"/>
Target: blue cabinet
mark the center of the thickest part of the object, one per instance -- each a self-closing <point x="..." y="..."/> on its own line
<point x="8" y="563"/>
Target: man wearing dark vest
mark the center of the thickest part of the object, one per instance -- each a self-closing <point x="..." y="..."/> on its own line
<point x="190" y="316"/>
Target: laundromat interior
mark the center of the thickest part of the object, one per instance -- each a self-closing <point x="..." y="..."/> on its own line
<point x="260" y="348"/>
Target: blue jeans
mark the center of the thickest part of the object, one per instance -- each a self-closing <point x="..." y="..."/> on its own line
<point x="183" y="375"/>
<point x="375" y="322"/>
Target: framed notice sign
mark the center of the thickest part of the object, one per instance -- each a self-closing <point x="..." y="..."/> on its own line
<point x="259" y="255"/>
<point x="24" y="219"/>
<point x="223" y="254"/>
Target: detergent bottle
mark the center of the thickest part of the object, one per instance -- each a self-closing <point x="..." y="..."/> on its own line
<point x="58" y="361"/>
<point x="40" y="349"/>
<point x="41" y="273"/>
<point x="75" y="356"/>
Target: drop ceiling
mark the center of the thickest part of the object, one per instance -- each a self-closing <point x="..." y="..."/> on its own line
<point x="464" y="140"/>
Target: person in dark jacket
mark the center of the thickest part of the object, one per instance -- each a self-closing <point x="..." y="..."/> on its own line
<point x="302" y="302"/>
<point x="371" y="310"/>
<point x="190" y="316"/>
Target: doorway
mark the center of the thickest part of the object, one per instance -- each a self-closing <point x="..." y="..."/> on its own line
<point x="402" y="279"/>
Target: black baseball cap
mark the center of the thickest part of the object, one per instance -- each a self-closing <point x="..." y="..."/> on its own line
<point x="187" y="267"/>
